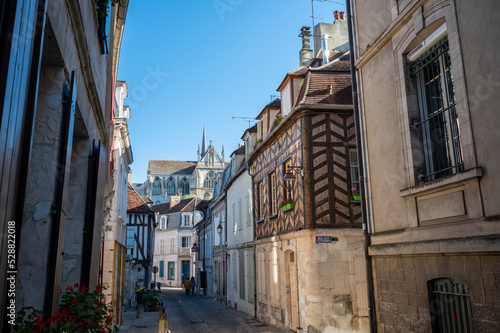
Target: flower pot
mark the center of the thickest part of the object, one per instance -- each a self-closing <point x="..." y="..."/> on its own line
<point x="356" y="197"/>
<point x="287" y="206"/>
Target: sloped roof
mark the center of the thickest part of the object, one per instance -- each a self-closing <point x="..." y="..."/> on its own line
<point x="172" y="167"/>
<point x="185" y="205"/>
<point x="147" y="200"/>
<point x="329" y="84"/>
<point x="135" y="204"/>
<point x="203" y="204"/>
<point x="161" y="208"/>
<point x="250" y="129"/>
<point x="240" y="150"/>
<point x="275" y="104"/>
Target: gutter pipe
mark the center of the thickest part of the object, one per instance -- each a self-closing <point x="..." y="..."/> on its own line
<point x="357" y="124"/>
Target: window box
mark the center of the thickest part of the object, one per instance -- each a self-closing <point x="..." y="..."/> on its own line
<point x="287" y="206"/>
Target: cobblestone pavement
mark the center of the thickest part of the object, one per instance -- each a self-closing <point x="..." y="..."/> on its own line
<point x="196" y="314"/>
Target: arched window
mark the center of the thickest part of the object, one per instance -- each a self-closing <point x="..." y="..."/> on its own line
<point x="184" y="186"/>
<point x="206" y="196"/>
<point x="209" y="180"/>
<point x="157" y="186"/>
<point x="170" y="186"/>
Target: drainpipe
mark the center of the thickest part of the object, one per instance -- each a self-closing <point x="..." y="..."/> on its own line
<point x="357" y="124"/>
<point x="254" y="247"/>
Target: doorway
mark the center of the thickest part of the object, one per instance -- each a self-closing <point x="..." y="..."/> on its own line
<point x="186" y="270"/>
<point x="291" y="290"/>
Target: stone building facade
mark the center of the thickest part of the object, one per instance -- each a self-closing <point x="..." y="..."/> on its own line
<point x="428" y="79"/>
<point x="310" y="266"/>
<point x="55" y="140"/>
<point x="115" y="234"/>
<point x="174" y="238"/>
<point x="185" y="178"/>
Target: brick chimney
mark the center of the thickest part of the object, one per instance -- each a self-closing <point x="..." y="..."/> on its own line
<point x="305" y="54"/>
<point x="174" y="200"/>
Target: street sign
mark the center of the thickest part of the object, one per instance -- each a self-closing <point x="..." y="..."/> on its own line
<point x="325" y="239"/>
<point x="155" y="269"/>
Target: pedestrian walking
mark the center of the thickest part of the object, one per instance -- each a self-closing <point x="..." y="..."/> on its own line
<point x="187" y="285"/>
<point x="159" y="286"/>
<point x="193" y="285"/>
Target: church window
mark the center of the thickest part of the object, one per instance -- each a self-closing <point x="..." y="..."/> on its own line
<point x="209" y="180"/>
<point x="206" y="196"/>
<point x="170" y="186"/>
<point x="184" y="186"/>
<point x="157" y="186"/>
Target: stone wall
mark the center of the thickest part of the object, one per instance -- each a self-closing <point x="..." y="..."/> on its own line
<point x="332" y="294"/>
<point x="401" y="293"/>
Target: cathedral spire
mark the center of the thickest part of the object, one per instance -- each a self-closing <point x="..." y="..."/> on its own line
<point x="204" y="143"/>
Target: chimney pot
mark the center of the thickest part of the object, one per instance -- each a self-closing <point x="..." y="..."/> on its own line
<point x="342" y="15"/>
<point x="336" y="14"/>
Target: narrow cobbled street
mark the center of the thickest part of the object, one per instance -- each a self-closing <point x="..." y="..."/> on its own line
<point x="196" y="313"/>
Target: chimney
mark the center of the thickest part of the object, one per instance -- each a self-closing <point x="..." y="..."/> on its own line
<point x="174" y="200"/>
<point x="336" y="14"/>
<point x="342" y="16"/>
<point x="324" y="46"/>
<point x="305" y="54"/>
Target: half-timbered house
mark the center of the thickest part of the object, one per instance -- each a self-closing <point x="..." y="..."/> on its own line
<point x="140" y="243"/>
<point x="309" y="244"/>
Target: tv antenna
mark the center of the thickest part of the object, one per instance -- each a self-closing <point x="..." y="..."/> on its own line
<point x="247" y="119"/>
<point x="312" y="7"/>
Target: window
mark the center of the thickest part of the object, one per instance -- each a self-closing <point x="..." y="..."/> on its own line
<point x="162" y="246"/>
<point x="163" y="223"/>
<point x="162" y="268"/>
<point x="171" y="270"/>
<point x="209" y="180"/>
<point x="206" y="196"/>
<point x="130" y="237"/>
<point x="185" y="242"/>
<point x="449" y="304"/>
<point x="353" y="161"/>
<point x="249" y="207"/>
<point x="157" y="186"/>
<point x="250" y="276"/>
<point x="241" y="255"/>
<point x="186" y="220"/>
<point x="439" y="127"/>
<point x="288" y="184"/>
<point x="184" y="186"/>
<point x="235" y="222"/>
<point x="272" y="191"/>
<point x="172" y="244"/>
<point x="170" y="186"/>
<point x="261" y="200"/>
<point x="240" y="214"/>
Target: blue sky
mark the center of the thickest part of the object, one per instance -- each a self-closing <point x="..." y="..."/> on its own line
<point x="190" y="64"/>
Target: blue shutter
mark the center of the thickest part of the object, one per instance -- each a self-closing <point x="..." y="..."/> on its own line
<point x="162" y="268"/>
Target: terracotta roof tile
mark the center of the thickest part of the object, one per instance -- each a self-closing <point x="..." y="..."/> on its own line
<point x="135" y="204"/>
<point x="329" y="88"/>
<point x="172" y="167"/>
<point x="147" y="200"/>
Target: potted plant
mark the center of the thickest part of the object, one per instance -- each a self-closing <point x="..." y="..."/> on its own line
<point x="355" y="194"/>
<point x="279" y="117"/>
<point x="79" y="311"/>
<point x="102" y="6"/>
<point x="286" y="204"/>
<point x="258" y="142"/>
